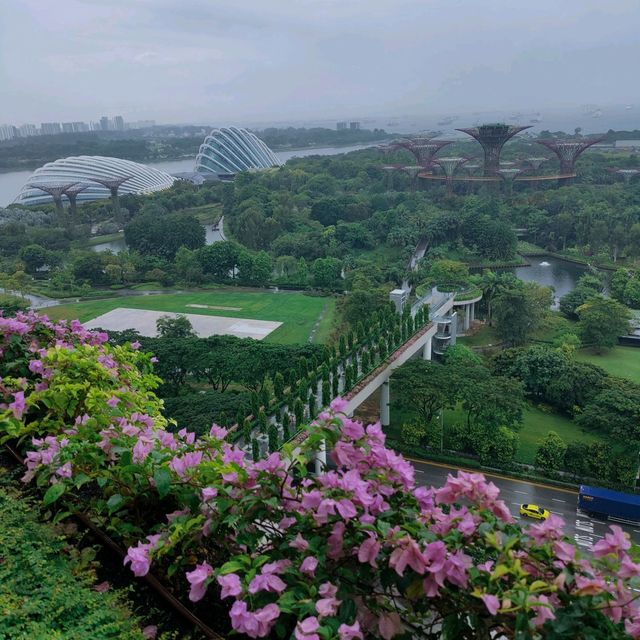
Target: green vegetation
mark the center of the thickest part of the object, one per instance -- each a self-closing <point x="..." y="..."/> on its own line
<point x="297" y="312"/>
<point x="623" y="362"/>
<point x="43" y="594"/>
<point x="537" y="423"/>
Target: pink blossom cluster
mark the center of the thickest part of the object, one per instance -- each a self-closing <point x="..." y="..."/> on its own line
<point x="344" y="526"/>
<point x="310" y="552"/>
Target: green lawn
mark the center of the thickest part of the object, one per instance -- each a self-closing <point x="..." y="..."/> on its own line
<point x="297" y="312"/>
<point x="536" y="425"/>
<point x="623" y="362"/>
<point x="484" y="337"/>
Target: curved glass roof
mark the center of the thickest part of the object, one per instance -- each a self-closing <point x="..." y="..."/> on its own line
<point x="230" y="150"/>
<point x="84" y="169"/>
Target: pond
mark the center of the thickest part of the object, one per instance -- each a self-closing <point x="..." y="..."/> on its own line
<point x="562" y="275"/>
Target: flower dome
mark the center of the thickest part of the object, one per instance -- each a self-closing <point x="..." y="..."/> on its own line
<point x="230" y="150"/>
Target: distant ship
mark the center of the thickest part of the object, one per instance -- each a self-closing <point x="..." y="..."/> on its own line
<point x="596" y="114"/>
<point x="446" y="121"/>
<point x="535" y="120"/>
<point x="629" y="106"/>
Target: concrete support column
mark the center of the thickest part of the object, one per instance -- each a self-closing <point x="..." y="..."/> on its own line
<point x="467" y="317"/>
<point x="321" y="458"/>
<point x="473" y="312"/>
<point x="426" y="350"/>
<point x="384" y="404"/>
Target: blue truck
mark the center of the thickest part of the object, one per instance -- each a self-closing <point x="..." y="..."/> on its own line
<point x="604" y="503"/>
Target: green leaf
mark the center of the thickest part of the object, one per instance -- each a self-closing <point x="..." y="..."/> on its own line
<point x="114" y="502"/>
<point x="162" y="478"/>
<point x="231" y="567"/>
<point x="80" y="479"/>
<point x="53" y="493"/>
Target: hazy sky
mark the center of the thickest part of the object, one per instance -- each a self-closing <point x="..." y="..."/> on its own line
<point x="229" y="60"/>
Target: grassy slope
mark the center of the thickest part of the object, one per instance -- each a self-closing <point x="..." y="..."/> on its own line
<point x="297" y="312"/>
<point x="623" y="362"/>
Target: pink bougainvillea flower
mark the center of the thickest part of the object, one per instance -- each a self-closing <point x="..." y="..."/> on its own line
<point x="368" y="551"/>
<point x="544" y="611"/>
<point x="150" y="632"/>
<point x="135" y="345"/>
<point x="231" y="586"/>
<point x="546" y="531"/>
<point x="335" y="541"/>
<point x="18" y="405"/>
<point x="327" y="606"/>
<point x="102" y="587"/>
<point x="256" y="624"/>
<point x="113" y="401"/>
<point x="299" y="543"/>
<point x="338" y="405"/>
<point x="306" y="629"/>
<point x="350" y="632"/>
<point x="197" y="579"/>
<point x="564" y="551"/>
<point x="615" y="543"/>
<point x="267" y="582"/>
<point x="218" y="432"/>
<point x="491" y="602"/>
<point x="308" y="566"/>
<point x="407" y="553"/>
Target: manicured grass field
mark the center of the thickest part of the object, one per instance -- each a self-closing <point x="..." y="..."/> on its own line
<point x="297" y="312"/>
<point x="623" y="362"/>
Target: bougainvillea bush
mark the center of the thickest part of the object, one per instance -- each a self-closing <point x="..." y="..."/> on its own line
<point x="357" y="551"/>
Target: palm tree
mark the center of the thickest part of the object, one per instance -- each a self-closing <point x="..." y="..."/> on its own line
<point x="491" y="284"/>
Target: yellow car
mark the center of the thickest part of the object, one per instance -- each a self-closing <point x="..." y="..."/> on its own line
<point x="534" y="511"/>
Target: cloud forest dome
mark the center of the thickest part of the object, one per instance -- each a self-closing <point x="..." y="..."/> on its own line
<point x="85" y="170"/>
<point x="230" y="150"/>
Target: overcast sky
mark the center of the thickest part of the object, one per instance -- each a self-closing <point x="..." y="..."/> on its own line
<point x="215" y="61"/>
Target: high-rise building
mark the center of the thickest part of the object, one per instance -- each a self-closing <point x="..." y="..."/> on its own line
<point x="341" y="126"/>
<point x="104" y="123"/>
<point x="79" y="127"/>
<point x="28" y="130"/>
<point x="118" y="123"/>
<point x="354" y="126"/>
<point x="67" y="127"/>
<point x="50" y="128"/>
<point x="7" y="132"/>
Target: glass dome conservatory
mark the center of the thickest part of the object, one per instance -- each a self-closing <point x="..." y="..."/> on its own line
<point x="231" y="150"/>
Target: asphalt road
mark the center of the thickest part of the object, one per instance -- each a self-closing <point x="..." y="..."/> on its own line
<point x="563" y="502"/>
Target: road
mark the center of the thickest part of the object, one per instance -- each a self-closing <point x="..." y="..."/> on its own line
<point x="563" y="502"/>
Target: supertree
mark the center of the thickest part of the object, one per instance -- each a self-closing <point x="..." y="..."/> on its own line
<point x="536" y="162"/>
<point x="450" y="166"/>
<point x="628" y="174"/>
<point x="471" y="169"/>
<point x="113" y="184"/>
<point x="492" y="137"/>
<point x="423" y="149"/>
<point x="55" y="190"/>
<point x="389" y="169"/>
<point x="413" y="171"/>
<point x="72" y="193"/>
<point x="509" y="175"/>
<point x="568" y="151"/>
